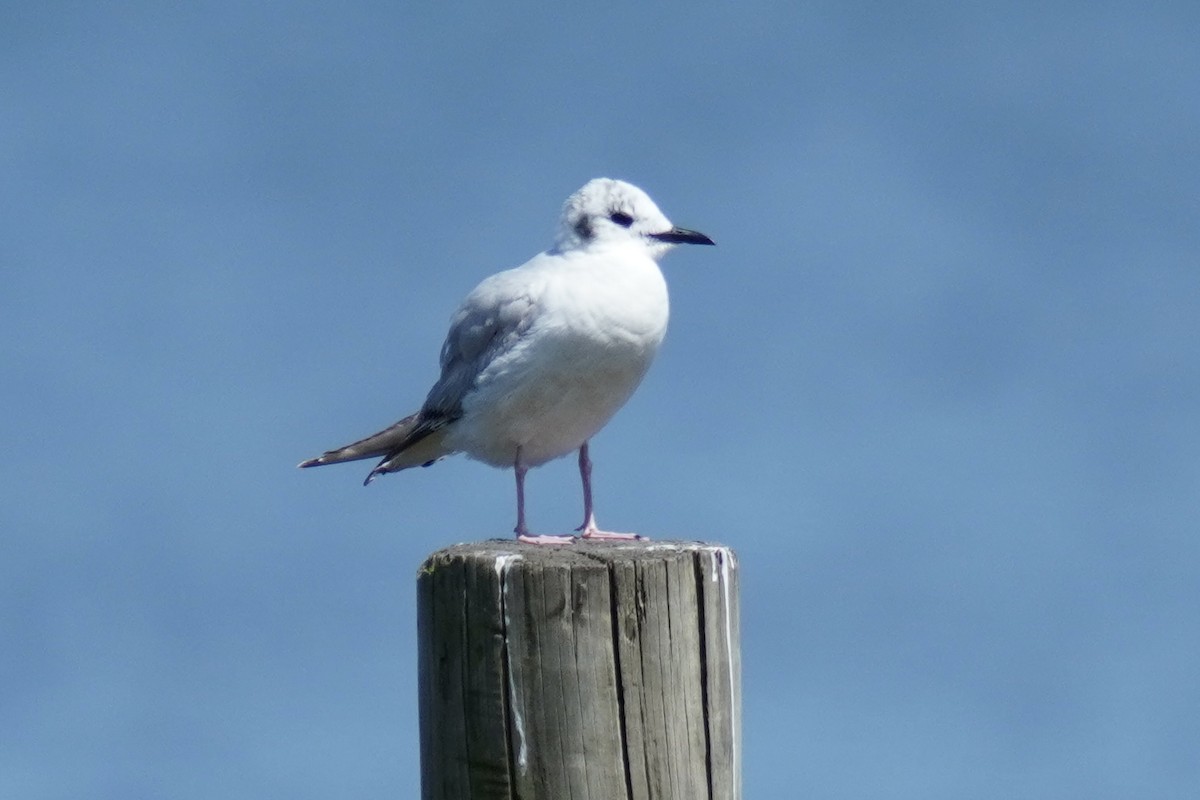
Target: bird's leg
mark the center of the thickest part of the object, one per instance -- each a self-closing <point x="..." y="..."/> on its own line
<point x="521" y="530"/>
<point x="520" y="469"/>
<point x="588" y="529"/>
<point x="585" y="475"/>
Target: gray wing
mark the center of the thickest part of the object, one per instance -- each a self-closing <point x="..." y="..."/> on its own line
<point x="489" y="323"/>
<point x="478" y="332"/>
<point x="390" y="440"/>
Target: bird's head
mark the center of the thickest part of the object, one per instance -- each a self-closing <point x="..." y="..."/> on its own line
<point x="607" y="211"/>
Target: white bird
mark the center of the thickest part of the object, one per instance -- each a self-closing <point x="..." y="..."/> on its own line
<point x="540" y="357"/>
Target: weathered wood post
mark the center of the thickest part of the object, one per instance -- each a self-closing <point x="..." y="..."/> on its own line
<point x="599" y="670"/>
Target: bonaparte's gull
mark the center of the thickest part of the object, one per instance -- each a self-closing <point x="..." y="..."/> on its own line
<point x="540" y="357"/>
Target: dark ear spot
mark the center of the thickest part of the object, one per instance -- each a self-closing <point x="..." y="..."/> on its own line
<point x="584" y="228"/>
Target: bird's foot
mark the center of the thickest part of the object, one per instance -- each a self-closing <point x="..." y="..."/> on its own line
<point x="588" y="530"/>
<point x="611" y="536"/>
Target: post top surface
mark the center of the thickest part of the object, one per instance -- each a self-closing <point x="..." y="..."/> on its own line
<point x="579" y="551"/>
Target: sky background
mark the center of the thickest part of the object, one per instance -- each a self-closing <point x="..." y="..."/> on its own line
<point x="937" y="385"/>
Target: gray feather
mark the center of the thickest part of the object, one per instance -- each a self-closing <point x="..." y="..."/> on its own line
<point x="389" y="440"/>
<point x="487" y="324"/>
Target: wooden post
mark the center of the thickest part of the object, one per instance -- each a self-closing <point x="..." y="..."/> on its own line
<point x="598" y="670"/>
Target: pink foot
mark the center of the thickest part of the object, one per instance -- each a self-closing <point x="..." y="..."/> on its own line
<point x="588" y="529"/>
<point x="592" y="532"/>
<point x="612" y="535"/>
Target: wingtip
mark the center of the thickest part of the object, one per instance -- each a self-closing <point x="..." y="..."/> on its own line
<point x="312" y="462"/>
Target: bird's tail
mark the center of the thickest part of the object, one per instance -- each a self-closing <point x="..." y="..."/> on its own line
<point x="408" y="443"/>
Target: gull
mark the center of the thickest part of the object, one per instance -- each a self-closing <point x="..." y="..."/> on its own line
<point x="539" y="358"/>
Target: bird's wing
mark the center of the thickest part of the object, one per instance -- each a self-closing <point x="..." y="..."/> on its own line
<point x="488" y="323"/>
<point x="389" y="440"/>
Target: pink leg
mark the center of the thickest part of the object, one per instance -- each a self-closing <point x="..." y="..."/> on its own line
<point x="589" y="528"/>
<point x="585" y="475"/>
<point x="521" y="530"/>
<point x="520" y="469"/>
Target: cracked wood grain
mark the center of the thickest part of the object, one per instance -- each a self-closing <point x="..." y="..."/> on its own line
<point x="594" y="671"/>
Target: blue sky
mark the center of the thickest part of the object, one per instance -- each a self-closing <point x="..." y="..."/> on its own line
<point x="937" y="385"/>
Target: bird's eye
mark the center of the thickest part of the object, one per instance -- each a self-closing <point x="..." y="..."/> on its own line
<point x="621" y="218"/>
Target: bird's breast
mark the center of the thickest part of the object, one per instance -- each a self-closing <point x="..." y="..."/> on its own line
<point x="593" y="340"/>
